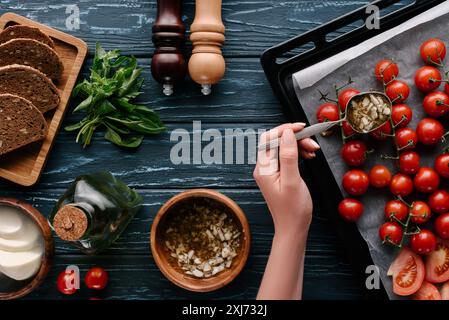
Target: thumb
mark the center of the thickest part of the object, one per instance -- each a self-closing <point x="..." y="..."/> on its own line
<point x="288" y="158"/>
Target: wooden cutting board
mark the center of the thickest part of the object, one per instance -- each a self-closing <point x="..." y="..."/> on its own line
<point x="25" y="166"/>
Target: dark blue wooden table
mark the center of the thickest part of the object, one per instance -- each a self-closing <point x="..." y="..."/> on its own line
<point x="243" y="99"/>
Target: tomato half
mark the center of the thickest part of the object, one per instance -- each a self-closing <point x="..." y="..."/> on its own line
<point x="420" y="212"/>
<point x="380" y="176"/>
<point x="355" y="182"/>
<point x="442" y="226"/>
<point x="439" y="201"/>
<point x="386" y="71"/>
<point x="442" y="165"/>
<point x="401" y="115"/>
<point x="327" y="112"/>
<point x="409" y="162"/>
<point x="346" y="95"/>
<point x="423" y="242"/>
<point x="406" y="138"/>
<point x="437" y="263"/>
<point x="408" y="273"/>
<point x="350" y="209"/>
<point x="436" y="104"/>
<point x="427" y="79"/>
<point x="354" y="153"/>
<point x="429" y="131"/>
<point x="398" y="91"/>
<point x="433" y="51"/>
<point x="426" y="180"/>
<point x="427" y="292"/>
<point x="401" y="185"/>
<point x="396" y="209"/>
<point x="445" y="291"/>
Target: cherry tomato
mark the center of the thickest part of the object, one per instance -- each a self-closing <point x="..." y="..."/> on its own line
<point x="401" y="115"/>
<point x="401" y="185"/>
<point x="437" y="263"/>
<point x="354" y="153"/>
<point x="420" y="212"/>
<point x="442" y="226"/>
<point x="350" y="209"/>
<point x="433" y="51"/>
<point x="355" y="182"/>
<point x="386" y="71"/>
<point x="426" y="180"/>
<point x="439" y="201"/>
<point x="427" y="292"/>
<point x="380" y="176"/>
<point x="96" y="278"/>
<point x="406" y="138"/>
<point x="424" y="242"/>
<point x="327" y="112"/>
<point x="346" y="95"/>
<point x="347" y="129"/>
<point x="382" y="132"/>
<point x="391" y="232"/>
<point x="409" y="162"/>
<point x="66" y="283"/>
<point x="442" y="165"/>
<point x="446" y="88"/>
<point x="398" y="91"/>
<point x="429" y="131"/>
<point x="427" y="79"/>
<point x="436" y="104"/>
<point x="396" y="209"/>
<point x="408" y="273"/>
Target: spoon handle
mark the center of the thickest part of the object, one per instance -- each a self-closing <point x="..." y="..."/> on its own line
<point x="303" y="134"/>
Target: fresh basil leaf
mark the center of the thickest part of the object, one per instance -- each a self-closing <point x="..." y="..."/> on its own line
<point x="129" y="142"/>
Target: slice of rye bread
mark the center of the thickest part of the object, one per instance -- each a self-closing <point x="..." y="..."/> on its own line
<point x="26" y="32"/>
<point x="21" y="123"/>
<point x="31" y="84"/>
<point x="34" y="54"/>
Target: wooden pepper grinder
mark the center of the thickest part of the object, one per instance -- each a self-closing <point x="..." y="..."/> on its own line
<point x="207" y="65"/>
<point x="168" y="65"/>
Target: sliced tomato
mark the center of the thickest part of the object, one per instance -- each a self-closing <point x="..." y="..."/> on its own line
<point x="445" y="291"/>
<point x="437" y="263"/>
<point x="427" y="292"/>
<point x="408" y="273"/>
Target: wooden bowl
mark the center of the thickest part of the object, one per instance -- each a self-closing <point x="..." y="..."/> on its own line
<point x="31" y="284"/>
<point x="171" y="271"/>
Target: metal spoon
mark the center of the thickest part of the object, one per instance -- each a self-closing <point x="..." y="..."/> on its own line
<point x="324" y="126"/>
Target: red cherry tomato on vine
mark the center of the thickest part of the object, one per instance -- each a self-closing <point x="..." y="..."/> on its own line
<point x="446" y="88"/>
<point x="442" y="165"/>
<point x="401" y="115"/>
<point x="346" y="95"/>
<point x="426" y="180"/>
<point x="354" y="153"/>
<point x="96" y="278"/>
<point x="401" y="185"/>
<point x="347" y="129"/>
<point x="350" y="209"/>
<point x="380" y="176"/>
<point x="427" y="79"/>
<point x="439" y="201"/>
<point x="397" y="209"/>
<point x="382" y="132"/>
<point x="429" y="131"/>
<point x="436" y="104"/>
<point x="420" y="212"/>
<point x="327" y="112"/>
<point x="442" y="226"/>
<point x="409" y="162"/>
<point x="406" y="138"/>
<point x="66" y="283"/>
<point x="433" y="51"/>
<point x="398" y="91"/>
<point x="355" y="182"/>
<point x="391" y="232"/>
<point x="386" y="71"/>
<point x="424" y="242"/>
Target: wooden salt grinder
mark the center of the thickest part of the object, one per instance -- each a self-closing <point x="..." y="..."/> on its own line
<point x="207" y="65"/>
<point x="168" y="65"/>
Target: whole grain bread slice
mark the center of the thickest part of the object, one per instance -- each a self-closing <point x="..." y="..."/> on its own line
<point x="26" y="32"/>
<point x="31" y="84"/>
<point x="21" y="123"/>
<point x="32" y="53"/>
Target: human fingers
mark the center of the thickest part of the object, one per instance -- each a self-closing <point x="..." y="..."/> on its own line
<point x="309" y="145"/>
<point x="288" y="158"/>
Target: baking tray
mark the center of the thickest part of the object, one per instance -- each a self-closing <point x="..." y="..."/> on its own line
<point x="25" y="165"/>
<point x="280" y="62"/>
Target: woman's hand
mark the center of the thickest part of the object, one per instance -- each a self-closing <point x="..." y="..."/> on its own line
<point x="288" y="198"/>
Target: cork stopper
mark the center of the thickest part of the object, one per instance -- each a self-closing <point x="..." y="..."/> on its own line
<point x="70" y="223"/>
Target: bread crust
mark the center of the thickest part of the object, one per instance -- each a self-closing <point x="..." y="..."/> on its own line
<point x="25" y="32"/>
